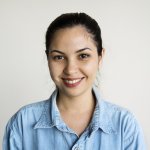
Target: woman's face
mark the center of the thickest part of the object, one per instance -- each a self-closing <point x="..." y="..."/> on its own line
<point x="73" y="61"/>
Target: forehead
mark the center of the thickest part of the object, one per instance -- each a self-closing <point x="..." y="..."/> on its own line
<point x="75" y="37"/>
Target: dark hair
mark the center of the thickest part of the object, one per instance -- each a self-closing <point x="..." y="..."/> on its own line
<point x="71" y="20"/>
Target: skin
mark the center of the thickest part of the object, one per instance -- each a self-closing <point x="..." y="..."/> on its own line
<point x="73" y="55"/>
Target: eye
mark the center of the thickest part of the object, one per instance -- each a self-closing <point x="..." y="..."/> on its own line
<point x="58" y="57"/>
<point x="84" y="56"/>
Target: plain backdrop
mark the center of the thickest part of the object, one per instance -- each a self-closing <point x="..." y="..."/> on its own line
<point x="125" y="72"/>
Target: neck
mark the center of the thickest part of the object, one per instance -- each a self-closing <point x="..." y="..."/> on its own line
<point x="76" y="104"/>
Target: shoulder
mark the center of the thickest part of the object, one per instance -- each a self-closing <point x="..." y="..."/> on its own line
<point x="124" y="122"/>
<point x="33" y="107"/>
<point x="29" y="113"/>
<point x="112" y="111"/>
<point x="37" y="106"/>
<point x="116" y="110"/>
<point x="118" y="113"/>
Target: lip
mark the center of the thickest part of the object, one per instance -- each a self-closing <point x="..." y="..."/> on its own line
<point x="71" y="78"/>
<point x="71" y="85"/>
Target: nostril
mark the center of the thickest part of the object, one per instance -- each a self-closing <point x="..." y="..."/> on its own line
<point x="70" y="70"/>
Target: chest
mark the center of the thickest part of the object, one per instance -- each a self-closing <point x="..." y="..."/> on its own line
<point x="58" y="140"/>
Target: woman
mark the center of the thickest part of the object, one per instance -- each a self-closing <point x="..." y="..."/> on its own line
<point x="75" y="116"/>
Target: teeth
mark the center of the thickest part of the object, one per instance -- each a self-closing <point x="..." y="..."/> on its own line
<point x="72" y="81"/>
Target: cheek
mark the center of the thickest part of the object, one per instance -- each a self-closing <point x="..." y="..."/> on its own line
<point x="91" y="67"/>
<point x="55" y="69"/>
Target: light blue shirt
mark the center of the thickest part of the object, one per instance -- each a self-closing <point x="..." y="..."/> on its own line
<point x="39" y="126"/>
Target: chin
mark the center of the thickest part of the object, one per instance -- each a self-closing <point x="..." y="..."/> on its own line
<point x="74" y="92"/>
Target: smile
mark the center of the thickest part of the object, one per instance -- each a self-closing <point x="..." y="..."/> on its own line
<point x="72" y="82"/>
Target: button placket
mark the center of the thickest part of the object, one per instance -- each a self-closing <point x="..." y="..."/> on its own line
<point x="76" y="148"/>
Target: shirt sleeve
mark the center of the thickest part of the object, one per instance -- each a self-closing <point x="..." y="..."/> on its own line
<point x="12" y="138"/>
<point x="134" y="138"/>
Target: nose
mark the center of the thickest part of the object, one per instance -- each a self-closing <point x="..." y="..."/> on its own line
<point x="71" y="67"/>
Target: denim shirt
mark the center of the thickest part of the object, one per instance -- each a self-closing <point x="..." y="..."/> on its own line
<point x="39" y="126"/>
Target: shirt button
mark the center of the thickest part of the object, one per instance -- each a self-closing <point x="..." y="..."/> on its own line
<point x="76" y="148"/>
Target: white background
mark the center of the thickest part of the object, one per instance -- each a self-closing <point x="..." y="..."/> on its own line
<point x="125" y="72"/>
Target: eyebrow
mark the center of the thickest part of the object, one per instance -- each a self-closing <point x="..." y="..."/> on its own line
<point x="78" y="51"/>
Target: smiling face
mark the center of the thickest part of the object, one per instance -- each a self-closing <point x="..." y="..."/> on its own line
<point x="73" y="61"/>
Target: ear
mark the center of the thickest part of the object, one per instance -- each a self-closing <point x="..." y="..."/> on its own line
<point x="100" y="58"/>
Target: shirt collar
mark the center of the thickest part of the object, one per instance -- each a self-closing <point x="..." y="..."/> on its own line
<point x="102" y="114"/>
<point x="101" y="118"/>
<point x="50" y="115"/>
